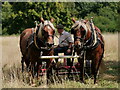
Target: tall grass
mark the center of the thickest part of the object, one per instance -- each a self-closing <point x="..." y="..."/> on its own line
<point x="0" y="62"/>
<point x="111" y="46"/>
<point x="13" y="78"/>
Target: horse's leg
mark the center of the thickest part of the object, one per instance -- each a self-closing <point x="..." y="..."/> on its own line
<point x="22" y="62"/>
<point x="34" y="70"/>
<point x="49" y="71"/>
<point x="95" y="65"/>
<point x="98" y="62"/>
<point x="81" y="61"/>
<point x="32" y="73"/>
<point x="27" y="62"/>
<point x="39" y="67"/>
<point x="95" y="72"/>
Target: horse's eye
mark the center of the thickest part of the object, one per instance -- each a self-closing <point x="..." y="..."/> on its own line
<point x="83" y="33"/>
<point x="53" y="32"/>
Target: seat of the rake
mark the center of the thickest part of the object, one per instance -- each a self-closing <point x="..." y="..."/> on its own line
<point x="62" y="62"/>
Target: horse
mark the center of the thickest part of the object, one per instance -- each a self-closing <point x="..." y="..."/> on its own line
<point x="89" y="45"/>
<point x="35" y="42"/>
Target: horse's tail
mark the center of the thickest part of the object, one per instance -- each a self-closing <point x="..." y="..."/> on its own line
<point x="102" y="64"/>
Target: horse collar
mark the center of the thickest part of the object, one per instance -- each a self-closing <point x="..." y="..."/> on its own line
<point x="92" y="42"/>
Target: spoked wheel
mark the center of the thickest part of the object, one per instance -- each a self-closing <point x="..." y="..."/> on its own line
<point x="74" y="74"/>
<point x="62" y="74"/>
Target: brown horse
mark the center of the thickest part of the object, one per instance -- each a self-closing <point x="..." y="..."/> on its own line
<point x="35" y="42"/>
<point x="89" y="44"/>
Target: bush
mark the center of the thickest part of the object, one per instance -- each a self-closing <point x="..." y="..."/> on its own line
<point x="105" y="20"/>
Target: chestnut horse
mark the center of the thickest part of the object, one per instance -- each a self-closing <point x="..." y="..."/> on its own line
<point x="35" y="42"/>
<point x="89" y="44"/>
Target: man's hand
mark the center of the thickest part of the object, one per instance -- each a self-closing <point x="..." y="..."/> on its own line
<point x="69" y="51"/>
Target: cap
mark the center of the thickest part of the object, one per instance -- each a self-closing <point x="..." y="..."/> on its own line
<point x="60" y="26"/>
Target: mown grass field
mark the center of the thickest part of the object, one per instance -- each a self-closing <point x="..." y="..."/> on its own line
<point x="13" y="78"/>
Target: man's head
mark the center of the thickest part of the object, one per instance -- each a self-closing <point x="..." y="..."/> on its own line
<point x="60" y="28"/>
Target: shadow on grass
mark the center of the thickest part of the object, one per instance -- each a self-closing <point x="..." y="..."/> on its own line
<point x="112" y="70"/>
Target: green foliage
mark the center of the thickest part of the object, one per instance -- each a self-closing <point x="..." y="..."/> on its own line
<point x="6" y="15"/>
<point x="17" y="16"/>
<point x="118" y="18"/>
<point x="105" y="19"/>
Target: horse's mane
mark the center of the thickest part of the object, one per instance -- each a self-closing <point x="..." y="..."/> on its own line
<point x="41" y="25"/>
<point x="84" y="23"/>
<point x="40" y="30"/>
<point x="88" y="25"/>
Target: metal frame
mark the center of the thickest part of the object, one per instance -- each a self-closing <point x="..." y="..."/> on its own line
<point x="48" y="57"/>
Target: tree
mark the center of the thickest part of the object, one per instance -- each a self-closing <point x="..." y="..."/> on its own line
<point x="17" y="16"/>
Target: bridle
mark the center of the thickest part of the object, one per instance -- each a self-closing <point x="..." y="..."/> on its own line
<point x="78" y="28"/>
<point x="90" y="43"/>
<point x="42" y="37"/>
<point x="80" y="38"/>
<point x="47" y="35"/>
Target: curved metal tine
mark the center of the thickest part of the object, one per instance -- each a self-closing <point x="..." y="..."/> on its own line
<point x="63" y="40"/>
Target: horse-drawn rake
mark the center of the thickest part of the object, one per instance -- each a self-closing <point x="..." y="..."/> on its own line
<point x="88" y="46"/>
<point x="62" y="71"/>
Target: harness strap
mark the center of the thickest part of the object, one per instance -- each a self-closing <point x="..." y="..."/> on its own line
<point x="35" y="37"/>
<point x="94" y="44"/>
<point x="30" y="40"/>
<point x="95" y="37"/>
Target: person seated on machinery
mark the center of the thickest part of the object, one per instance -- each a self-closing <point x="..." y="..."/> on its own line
<point x="65" y="43"/>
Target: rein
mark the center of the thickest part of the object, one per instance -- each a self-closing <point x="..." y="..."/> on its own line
<point x="63" y="40"/>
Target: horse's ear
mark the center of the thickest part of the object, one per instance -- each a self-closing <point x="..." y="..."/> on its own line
<point x="85" y="21"/>
<point x="42" y="20"/>
<point x="73" y="19"/>
<point x="52" y="20"/>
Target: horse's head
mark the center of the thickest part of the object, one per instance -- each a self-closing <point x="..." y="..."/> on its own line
<point x="80" y="31"/>
<point x="46" y="32"/>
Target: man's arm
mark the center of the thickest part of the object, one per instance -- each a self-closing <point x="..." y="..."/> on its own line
<point x="70" y="45"/>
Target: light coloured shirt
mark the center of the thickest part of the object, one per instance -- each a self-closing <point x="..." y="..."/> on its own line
<point x="64" y="39"/>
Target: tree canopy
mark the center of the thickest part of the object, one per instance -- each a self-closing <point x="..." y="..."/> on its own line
<point x="17" y="16"/>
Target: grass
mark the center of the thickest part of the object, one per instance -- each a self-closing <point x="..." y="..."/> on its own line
<point x="13" y="78"/>
<point x="74" y="84"/>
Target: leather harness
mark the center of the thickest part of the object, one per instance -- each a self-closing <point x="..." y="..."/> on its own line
<point x="91" y="44"/>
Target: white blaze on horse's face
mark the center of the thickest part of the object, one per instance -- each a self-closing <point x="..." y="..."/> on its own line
<point x="80" y="31"/>
<point x="46" y="31"/>
<point x="50" y="33"/>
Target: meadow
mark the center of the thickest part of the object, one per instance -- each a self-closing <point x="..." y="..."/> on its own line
<point x="13" y="78"/>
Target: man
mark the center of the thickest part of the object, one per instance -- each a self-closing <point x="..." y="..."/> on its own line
<point x="65" y="43"/>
